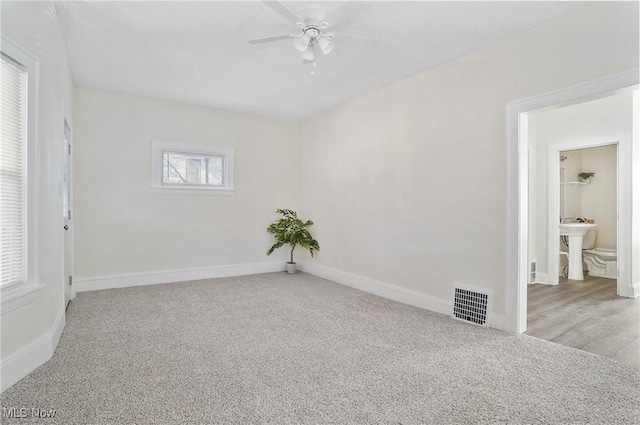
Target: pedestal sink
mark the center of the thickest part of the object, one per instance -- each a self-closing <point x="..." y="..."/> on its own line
<point x="575" y="232"/>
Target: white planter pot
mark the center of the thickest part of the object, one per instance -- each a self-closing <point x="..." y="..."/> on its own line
<point x="291" y="267"/>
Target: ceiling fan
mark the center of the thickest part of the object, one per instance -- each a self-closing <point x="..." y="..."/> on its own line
<point x="313" y="23"/>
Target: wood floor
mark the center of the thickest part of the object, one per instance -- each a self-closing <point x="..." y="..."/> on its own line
<point x="587" y="315"/>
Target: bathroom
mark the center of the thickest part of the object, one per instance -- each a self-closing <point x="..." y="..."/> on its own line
<point x="588" y="194"/>
<point x="584" y="298"/>
<point x="563" y="142"/>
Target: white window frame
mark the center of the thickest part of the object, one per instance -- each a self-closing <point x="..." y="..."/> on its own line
<point x="19" y="295"/>
<point x="158" y="147"/>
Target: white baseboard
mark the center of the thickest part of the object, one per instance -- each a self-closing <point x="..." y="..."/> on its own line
<point x="635" y="290"/>
<point x="393" y="292"/>
<point x="96" y="283"/>
<point x="382" y="289"/>
<point x="57" y="328"/>
<point x="499" y="321"/>
<point x="23" y="362"/>
<point x="542" y="278"/>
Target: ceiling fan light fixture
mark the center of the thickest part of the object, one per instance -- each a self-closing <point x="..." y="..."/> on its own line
<point x="326" y="45"/>
<point x="312" y="32"/>
<point x="309" y="54"/>
<point x="312" y="21"/>
<point x="301" y="43"/>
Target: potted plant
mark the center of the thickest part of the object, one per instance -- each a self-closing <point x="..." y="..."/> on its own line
<point x="290" y="230"/>
<point x="586" y="176"/>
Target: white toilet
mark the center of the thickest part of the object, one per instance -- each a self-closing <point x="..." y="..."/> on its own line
<point x="600" y="262"/>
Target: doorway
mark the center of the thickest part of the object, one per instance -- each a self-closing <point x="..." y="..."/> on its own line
<point x="603" y="199"/>
<point x="519" y="157"/>
<point x="69" y="292"/>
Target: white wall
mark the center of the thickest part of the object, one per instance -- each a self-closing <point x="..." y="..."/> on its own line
<point x="33" y="26"/>
<point x="407" y="185"/>
<point x="599" y="199"/>
<point x="603" y="118"/>
<point x="572" y="167"/>
<point x="123" y="229"/>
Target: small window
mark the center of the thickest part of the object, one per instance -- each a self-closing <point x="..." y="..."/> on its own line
<point x="191" y="169"/>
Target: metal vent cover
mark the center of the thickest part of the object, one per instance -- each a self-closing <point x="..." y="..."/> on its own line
<point x="534" y="270"/>
<point x="470" y="305"/>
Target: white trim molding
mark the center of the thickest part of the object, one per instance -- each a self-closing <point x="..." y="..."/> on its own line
<point x="380" y="288"/>
<point x="392" y="291"/>
<point x="543" y="278"/>
<point x="516" y="271"/>
<point x="14" y="298"/>
<point x="97" y="283"/>
<point x="23" y="362"/>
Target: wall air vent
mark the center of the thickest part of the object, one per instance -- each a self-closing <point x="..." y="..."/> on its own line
<point x="471" y="304"/>
<point x="534" y="269"/>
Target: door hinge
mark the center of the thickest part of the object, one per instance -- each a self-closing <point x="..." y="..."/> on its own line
<point x="69" y="149"/>
<point x="69" y="214"/>
<point x="70" y="280"/>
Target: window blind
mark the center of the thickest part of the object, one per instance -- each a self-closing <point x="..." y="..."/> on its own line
<point x="12" y="173"/>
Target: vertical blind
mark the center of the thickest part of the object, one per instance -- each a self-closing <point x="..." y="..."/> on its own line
<point x="12" y="173"/>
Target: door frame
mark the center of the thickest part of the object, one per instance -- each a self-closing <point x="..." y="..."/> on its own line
<point x="518" y="178"/>
<point x="67" y="137"/>
<point x="623" y="207"/>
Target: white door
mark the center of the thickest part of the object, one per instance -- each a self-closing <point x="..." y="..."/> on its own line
<point x="66" y="189"/>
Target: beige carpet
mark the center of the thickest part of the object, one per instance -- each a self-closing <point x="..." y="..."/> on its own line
<point x="296" y="349"/>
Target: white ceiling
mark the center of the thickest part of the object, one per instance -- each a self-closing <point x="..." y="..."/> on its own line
<point x="197" y="52"/>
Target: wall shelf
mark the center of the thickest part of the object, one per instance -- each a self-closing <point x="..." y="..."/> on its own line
<point x="576" y="183"/>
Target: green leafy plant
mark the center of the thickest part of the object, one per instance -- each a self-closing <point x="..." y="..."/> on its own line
<point x="586" y="176"/>
<point x="290" y="230"/>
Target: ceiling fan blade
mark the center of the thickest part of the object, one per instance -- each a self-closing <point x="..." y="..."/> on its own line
<point x="347" y="9"/>
<point x="342" y="34"/>
<point x="283" y="11"/>
<point x="268" y="39"/>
